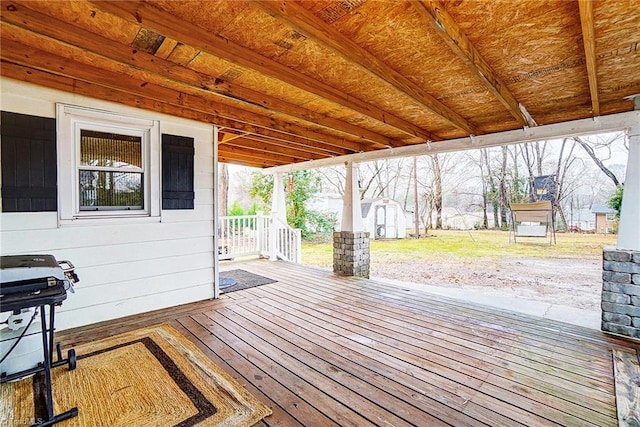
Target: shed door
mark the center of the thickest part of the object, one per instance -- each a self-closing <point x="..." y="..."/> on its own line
<point x="380" y="223"/>
<point x="391" y="225"/>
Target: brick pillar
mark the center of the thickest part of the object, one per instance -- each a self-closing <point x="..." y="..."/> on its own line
<point x="621" y="292"/>
<point x="351" y="253"/>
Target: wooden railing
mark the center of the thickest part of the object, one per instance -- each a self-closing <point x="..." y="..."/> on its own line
<point x="286" y="243"/>
<point x="258" y="235"/>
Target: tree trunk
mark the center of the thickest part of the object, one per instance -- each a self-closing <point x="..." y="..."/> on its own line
<point x="437" y="190"/>
<point x="504" y="200"/>
<point x="483" y="178"/>
<point x="223" y="187"/>
<point x="416" y="215"/>
<point x="493" y="189"/>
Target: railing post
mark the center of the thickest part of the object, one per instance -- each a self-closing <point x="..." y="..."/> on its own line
<point x="278" y="213"/>
<point x="298" y="247"/>
<point x="259" y="231"/>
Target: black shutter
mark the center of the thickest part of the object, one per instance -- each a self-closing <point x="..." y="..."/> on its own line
<point x="29" y="163"/>
<point x="177" y="172"/>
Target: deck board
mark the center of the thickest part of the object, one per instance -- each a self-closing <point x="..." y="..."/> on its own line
<point x="326" y="350"/>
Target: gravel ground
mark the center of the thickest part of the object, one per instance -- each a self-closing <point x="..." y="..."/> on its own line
<point x="570" y="282"/>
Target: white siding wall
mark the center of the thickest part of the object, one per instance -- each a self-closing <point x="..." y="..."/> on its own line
<point x="125" y="267"/>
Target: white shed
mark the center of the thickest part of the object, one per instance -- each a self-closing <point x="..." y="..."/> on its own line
<point x="384" y="218"/>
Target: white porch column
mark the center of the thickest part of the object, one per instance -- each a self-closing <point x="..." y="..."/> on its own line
<point x="216" y="218"/>
<point x="278" y="212"/>
<point x="629" y="226"/>
<point x="351" y="209"/>
<point x="351" y="244"/>
<point x="621" y="265"/>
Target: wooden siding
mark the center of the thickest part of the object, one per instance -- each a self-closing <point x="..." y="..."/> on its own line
<point x="324" y="350"/>
<point x="126" y="266"/>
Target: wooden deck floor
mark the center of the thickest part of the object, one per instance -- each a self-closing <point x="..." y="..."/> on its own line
<point x="322" y="350"/>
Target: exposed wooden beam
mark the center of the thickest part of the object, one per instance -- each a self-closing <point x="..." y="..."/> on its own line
<point x="250" y="143"/>
<point x="313" y="27"/>
<point x="556" y="131"/>
<point x="279" y="142"/>
<point x="31" y="56"/>
<point x="222" y="158"/>
<point x="437" y="17"/>
<point x="225" y="137"/>
<point x="67" y="84"/>
<point x="164" y="72"/>
<point x="251" y="153"/>
<point x="589" y="41"/>
<point x="164" y="23"/>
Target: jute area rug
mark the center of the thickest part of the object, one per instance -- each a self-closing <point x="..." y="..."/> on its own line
<point x="149" y="377"/>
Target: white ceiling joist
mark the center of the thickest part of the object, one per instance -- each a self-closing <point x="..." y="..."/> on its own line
<point x="602" y="124"/>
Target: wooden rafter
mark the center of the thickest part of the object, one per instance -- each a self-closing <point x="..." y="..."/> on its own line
<point x="67" y="84"/>
<point x="141" y="62"/>
<point x="253" y="153"/>
<point x="27" y="55"/>
<point x="226" y="137"/>
<point x="313" y="27"/>
<point x="434" y="13"/>
<point x="589" y="40"/>
<point x="166" y="24"/>
<point x="251" y="143"/>
<point x="294" y="144"/>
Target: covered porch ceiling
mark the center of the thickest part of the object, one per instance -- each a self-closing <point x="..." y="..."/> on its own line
<point x="293" y="81"/>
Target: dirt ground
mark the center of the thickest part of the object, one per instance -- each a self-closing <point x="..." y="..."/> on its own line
<point x="571" y="282"/>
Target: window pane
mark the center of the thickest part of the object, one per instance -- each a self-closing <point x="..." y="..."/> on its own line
<point x="109" y="149"/>
<point x="102" y="190"/>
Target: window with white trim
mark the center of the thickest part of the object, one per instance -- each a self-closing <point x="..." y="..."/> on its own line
<point x="611" y="217"/>
<point x="109" y="165"/>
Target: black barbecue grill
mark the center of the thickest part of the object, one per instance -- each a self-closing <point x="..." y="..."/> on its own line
<point x="30" y="284"/>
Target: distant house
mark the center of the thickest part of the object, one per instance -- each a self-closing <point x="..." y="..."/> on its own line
<point x="581" y="220"/>
<point x="605" y="218"/>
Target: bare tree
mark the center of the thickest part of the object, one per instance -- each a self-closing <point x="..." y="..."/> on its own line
<point x="437" y="189"/>
<point x="223" y="189"/>
<point x="590" y="151"/>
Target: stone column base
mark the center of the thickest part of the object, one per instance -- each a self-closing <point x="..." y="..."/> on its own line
<point x="621" y="292"/>
<point x="351" y="253"/>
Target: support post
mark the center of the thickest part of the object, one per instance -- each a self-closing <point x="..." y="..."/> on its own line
<point x="278" y="213"/>
<point x="629" y="226"/>
<point x="351" y="244"/>
<point x="621" y="265"/>
<point x="216" y="218"/>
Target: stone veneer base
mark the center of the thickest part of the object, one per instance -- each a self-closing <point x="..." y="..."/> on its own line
<point x="621" y="292"/>
<point x="351" y="253"/>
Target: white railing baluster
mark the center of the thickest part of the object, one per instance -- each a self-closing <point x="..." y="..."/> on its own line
<point x="249" y="235"/>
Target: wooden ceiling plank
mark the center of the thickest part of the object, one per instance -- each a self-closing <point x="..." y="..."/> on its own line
<point x="166" y="48"/>
<point x="242" y="162"/>
<point x="259" y="155"/>
<point x="44" y="78"/>
<point x="31" y="56"/>
<point x="137" y="60"/>
<point x="589" y="40"/>
<point x="250" y="143"/>
<point x="437" y="17"/>
<point x="295" y="145"/>
<point x="166" y="24"/>
<point x="313" y="27"/>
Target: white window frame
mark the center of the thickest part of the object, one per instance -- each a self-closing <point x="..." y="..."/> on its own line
<point x="610" y="217"/>
<point x="70" y="121"/>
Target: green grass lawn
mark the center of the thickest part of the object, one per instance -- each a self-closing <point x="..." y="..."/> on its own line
<point x="466" y="245"/>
